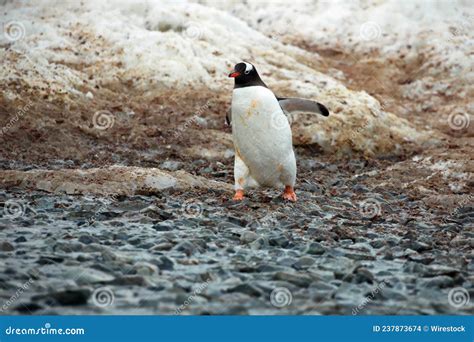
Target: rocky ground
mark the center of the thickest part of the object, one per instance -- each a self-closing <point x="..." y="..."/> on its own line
<point x="350" y="245"/>
<point x="130" y="211"/>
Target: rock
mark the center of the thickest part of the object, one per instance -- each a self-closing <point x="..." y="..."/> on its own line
<point x="379" y="243"/>
<point x="145" y="268"/>
<point x="418" y="246"/>
<point x="247" y="289"/>
<point x="303" y="263"/>
<point x="248" y="236"/>
<point x="6" y="247"/>
<point x="437" y="282"/>
<point x="358" y="256"/>
<point x="171" y="165"/>
<point x="260" y="243"/>
<point x="130" y="280"/>
<point x="346" y="233"/>
<point x="435" y="270"/>
<point x="363" y="275"/>
<point x="85" y="276"/>
<point x="391" y="294"/>
<point x="279" y="240"/>
<point x="66" y="298"/>
<point x="164" y="263"/>
<point x="315" y="248"/>
<point x="164" y="246"/>
<point x="162" y="227"/>
<point x="87" y="239"/>
<point x="20" y="239"/>
<point x="48" y="260"/>
<point x="27" y="308"/>
<point x="186" y="247"/>
<point x="112" y="180"/>
<point x="297" y="279"/>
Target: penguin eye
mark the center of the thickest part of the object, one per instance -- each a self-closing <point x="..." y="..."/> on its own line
<point x="247" y="72"/>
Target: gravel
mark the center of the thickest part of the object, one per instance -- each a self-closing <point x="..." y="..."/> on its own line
<point x="150" y="255"/>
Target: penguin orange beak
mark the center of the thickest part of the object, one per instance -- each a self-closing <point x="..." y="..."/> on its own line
<point x="234" y="74"/>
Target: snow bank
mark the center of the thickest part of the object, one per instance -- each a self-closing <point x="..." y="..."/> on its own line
<point x="76" y="50"/>
<point x="434" y="38"/>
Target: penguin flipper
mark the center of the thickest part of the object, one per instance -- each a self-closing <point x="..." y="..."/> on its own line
<point x="293" y="105"/>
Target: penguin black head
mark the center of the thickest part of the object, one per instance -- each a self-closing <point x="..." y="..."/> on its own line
<point x="246" y="75"/>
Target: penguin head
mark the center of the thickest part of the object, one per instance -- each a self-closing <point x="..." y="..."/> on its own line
<point x="243" y="70"/>
<point x="245" y="74"/>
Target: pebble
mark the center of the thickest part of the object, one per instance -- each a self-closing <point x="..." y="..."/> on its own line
<point x="130" y="280"/>
<point x="438" y="281"/>
<point x="297" y="279"/>
<point x="247" y="289"/>
<point x="304" y="263"/>
<point x="315" y="248"/>
<point x="279" y="240"/>
<point x="150" y="254"/>
<point x="248" y="236"/>
<point x="6" y="247"/>
<point x="186" y="247"/>
<point x="65" y="298"/>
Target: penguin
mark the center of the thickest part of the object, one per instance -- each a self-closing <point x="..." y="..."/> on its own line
<point x="264" y="155"/>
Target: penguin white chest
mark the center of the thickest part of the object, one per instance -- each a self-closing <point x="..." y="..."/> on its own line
<point x="262" y="136"/>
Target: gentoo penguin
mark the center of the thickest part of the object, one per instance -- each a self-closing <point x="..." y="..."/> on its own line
<point x="261" y="133"/>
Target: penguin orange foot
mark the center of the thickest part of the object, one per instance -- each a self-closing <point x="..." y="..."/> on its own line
<point x="239" y="195"/>
<point x="289" y="194"/>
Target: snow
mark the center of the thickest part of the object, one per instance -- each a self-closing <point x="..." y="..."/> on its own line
<point x="76" y="48"/>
